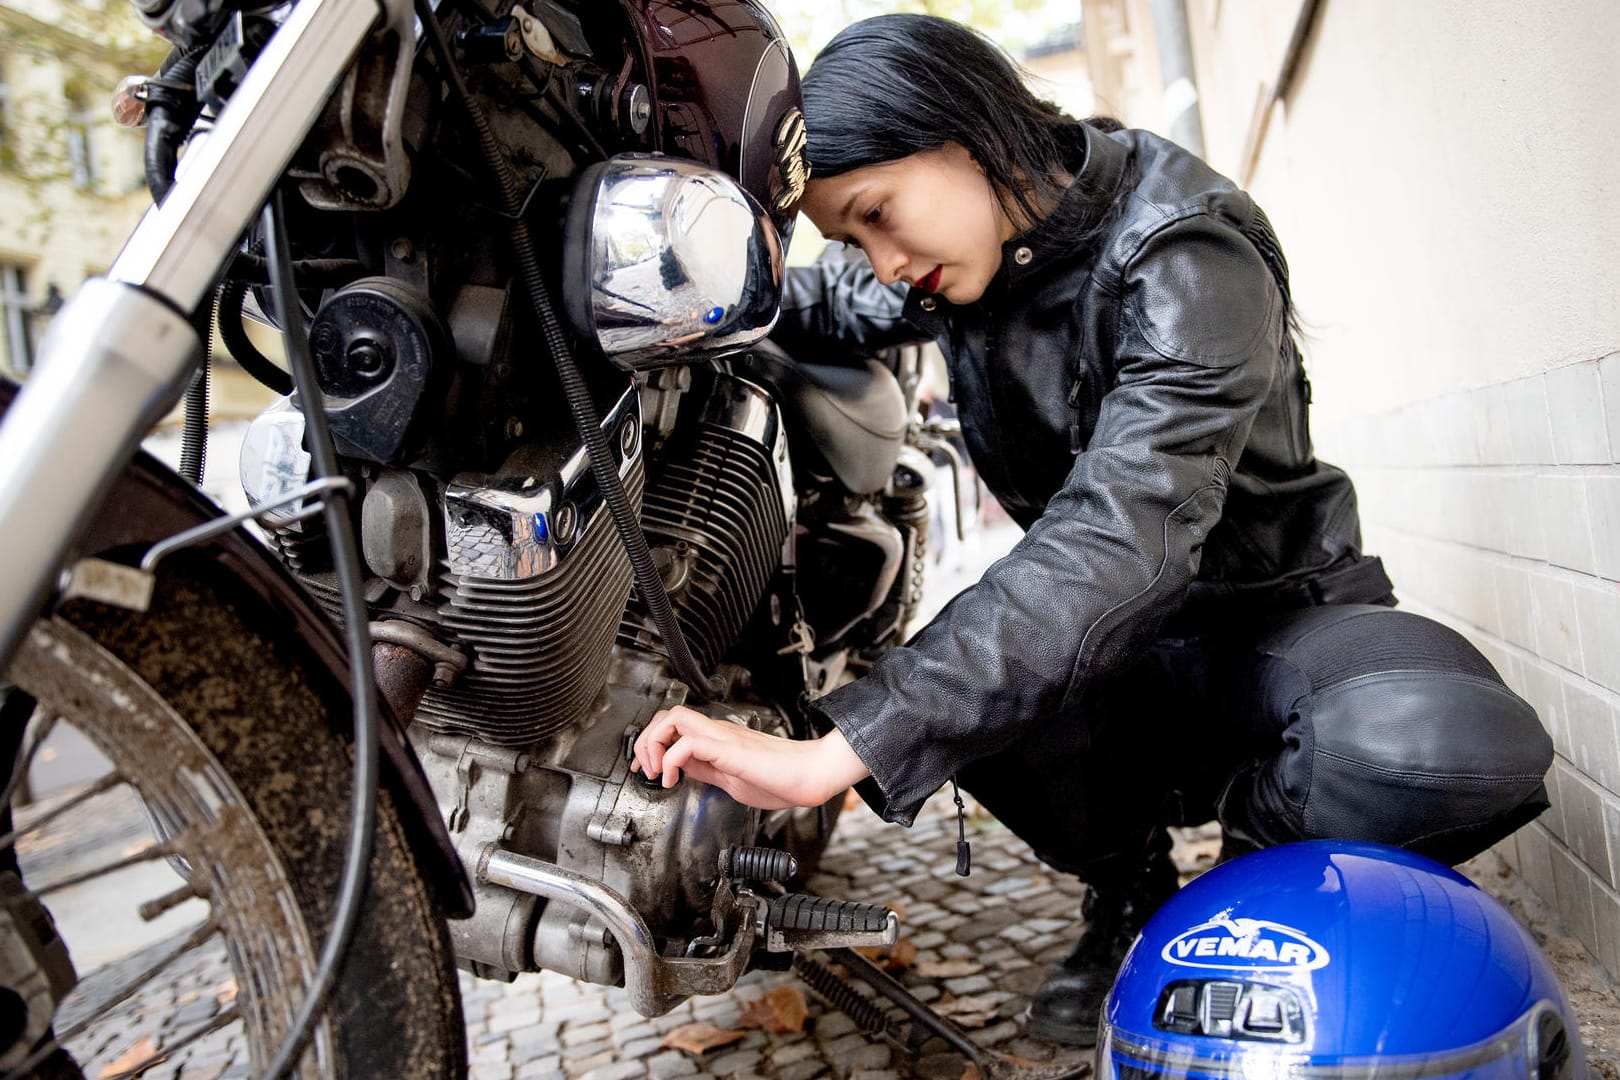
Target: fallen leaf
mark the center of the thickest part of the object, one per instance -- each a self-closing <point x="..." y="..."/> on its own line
<point x="971" y="1072"/>
<point x="851" y="800"/>
<point x="779" y="1012"/>
<point x="131" y="1059"/>
<point x="897" y="957"/>
<point x="899" y="911"/>
<point x="699" y="1037"/>
<point x="967" y="1011"/>
<point x="225" y="992"/>
<point x="948" y="969"/>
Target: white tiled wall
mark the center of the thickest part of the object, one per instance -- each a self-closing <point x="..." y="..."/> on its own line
<point x="1497" y="511"/>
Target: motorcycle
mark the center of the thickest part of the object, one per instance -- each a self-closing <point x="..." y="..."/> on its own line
<point x="537" y="473"/>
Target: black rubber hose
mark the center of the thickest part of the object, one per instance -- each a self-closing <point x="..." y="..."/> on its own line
<point x="241" y="347"/>
<point x="254" y="270"/>
<point x="346" y="558"/>
<point x="577" y="394"/>
<point x="194" y="437"/>
<point x="171" y="109"/>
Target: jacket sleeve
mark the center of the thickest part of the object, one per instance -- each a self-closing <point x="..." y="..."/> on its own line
<point x="1200" y="325"/>
<point x="837" y="306"/>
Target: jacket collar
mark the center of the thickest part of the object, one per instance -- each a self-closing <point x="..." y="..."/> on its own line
<point x="1082" y="206"/>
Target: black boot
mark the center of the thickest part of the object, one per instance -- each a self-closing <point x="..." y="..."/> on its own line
<point x="1066" y="1006"/>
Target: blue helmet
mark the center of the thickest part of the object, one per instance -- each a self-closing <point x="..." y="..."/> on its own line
<point x="1336" y="960"/>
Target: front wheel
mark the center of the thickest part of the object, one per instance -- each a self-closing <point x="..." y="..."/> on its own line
<point x="224" y="758"/>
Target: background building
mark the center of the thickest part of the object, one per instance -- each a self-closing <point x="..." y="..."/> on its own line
<point x="71" y="183"/>
<point x="1442" y="177"/>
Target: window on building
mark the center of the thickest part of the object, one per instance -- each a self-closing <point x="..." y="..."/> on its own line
<point x="81" y="157"/>
<point x="17" y="313"/>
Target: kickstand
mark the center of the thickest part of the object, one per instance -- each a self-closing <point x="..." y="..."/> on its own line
<point x="991" y="1065"/>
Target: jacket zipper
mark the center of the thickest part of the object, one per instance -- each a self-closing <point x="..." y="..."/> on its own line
<point x="1076" y="387"/>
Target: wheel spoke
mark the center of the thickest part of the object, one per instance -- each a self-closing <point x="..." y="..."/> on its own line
<point x="203" y="932"/>
<point x="100" y="787"/>
<point x="25" y="760"/>
<point x="160" y="906"/>
<point x="147" y="854"/>
<point x="224" y="1018"/>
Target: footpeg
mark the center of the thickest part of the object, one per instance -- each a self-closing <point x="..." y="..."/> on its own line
<point x="796" y="922"/>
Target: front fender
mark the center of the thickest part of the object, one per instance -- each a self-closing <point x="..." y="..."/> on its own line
<point x="150" y="502"/>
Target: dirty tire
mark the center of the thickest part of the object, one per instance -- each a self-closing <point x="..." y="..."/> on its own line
<point x="272" y="716"/>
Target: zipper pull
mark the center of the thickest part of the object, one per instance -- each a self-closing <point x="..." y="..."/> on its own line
<point x="1074" y="417"/>
<point x="964" y="854"/>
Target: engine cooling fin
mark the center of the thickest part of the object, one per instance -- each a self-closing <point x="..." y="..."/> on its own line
<point x="540" y="647"/>
<point x="715" y="519"/>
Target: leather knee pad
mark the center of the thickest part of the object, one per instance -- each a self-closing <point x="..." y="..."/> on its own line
<point x="1393" y="729"/>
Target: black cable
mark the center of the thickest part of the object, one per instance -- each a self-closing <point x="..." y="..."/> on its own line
<point x="253" y="269"/>
<point x="583" y="409"/>
<point x="241" y="347"/>
<point x="171" y="109"/>
<point x="351" y="890"/>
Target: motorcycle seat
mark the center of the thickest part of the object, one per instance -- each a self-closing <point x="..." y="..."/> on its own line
<point x="852" y="417"/>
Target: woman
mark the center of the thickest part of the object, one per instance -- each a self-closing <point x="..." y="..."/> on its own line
<point x="1188" y="629"/>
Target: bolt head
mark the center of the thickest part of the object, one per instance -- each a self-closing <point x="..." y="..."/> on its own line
<point x="368" y="358"/>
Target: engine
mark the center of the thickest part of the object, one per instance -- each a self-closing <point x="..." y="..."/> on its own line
<point x="526" y="747"/>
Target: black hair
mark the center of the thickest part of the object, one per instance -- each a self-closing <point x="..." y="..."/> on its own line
<point x="896" y="85"/>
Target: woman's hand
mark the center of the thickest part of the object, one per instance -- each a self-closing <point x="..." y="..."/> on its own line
<point x="754" y="768"/>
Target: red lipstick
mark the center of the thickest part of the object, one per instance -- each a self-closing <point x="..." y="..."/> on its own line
<point x="931" y="282"/>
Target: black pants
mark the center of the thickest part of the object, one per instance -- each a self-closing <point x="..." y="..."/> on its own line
<point x="1347" y="722"/>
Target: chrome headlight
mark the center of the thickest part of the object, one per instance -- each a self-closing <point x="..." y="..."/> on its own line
<point x="666" y="261"/>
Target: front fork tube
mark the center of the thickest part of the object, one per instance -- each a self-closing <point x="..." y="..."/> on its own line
<point x="114" y="361"/>
<point x="119" y="353"/>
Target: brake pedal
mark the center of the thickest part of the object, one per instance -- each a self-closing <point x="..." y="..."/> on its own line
<point x="796" y="922"/>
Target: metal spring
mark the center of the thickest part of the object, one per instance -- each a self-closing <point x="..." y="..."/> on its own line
<point x="844" y="997"/>
<point x="757" y="864"/>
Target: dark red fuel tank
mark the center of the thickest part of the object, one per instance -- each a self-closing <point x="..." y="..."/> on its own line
<point x="725" y="91"/>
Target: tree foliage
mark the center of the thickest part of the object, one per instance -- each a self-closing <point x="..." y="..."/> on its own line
<point x="810" y="24"/>
<point x="82" y="31"/>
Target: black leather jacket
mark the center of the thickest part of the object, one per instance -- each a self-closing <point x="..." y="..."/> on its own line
<point x="1131" y="393"/>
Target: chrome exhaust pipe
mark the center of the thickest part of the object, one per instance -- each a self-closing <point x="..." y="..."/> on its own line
<point x="656" y="984"/>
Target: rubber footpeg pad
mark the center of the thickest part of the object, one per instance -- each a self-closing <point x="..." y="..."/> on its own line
<point x="796" y="911"/>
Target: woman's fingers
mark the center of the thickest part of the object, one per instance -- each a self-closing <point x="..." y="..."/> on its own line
<point x="677" y="755"/>
<point x="666" y="728"/>
<point x="650" y="744"/>
<point x="761" y="770"/>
